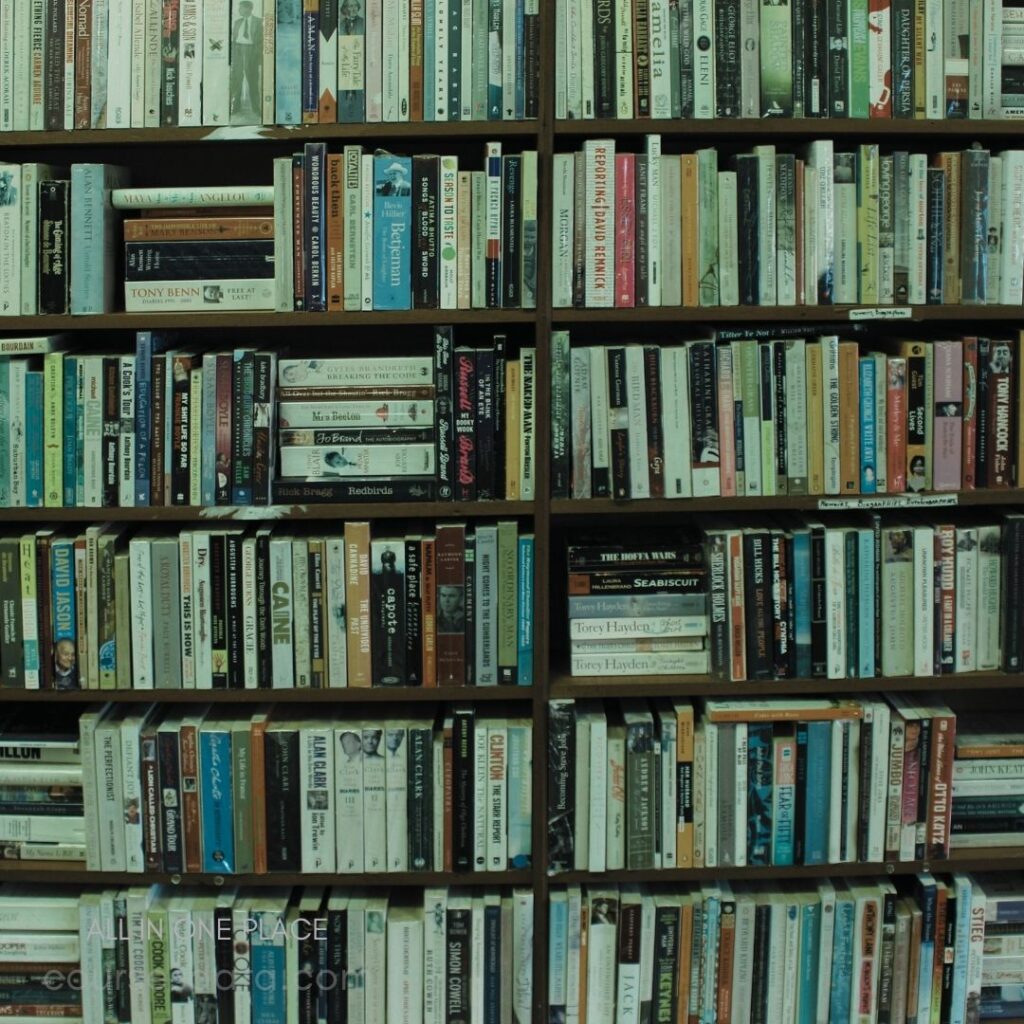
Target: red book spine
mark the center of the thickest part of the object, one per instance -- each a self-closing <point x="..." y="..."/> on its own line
<point x="450" y="622"/>
<point x="947" y="424"/>
<point x="941" y="782"/>
<point x="896" y="425"/>
<point x="655" y="438"/>
<point x="625" y="230"/>
<point x="969" y="452"/>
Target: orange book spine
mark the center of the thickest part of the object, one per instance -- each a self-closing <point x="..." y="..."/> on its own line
<point x="684" y="758"/>
<point x="259" y="808"/>
<point x="416" y="60"/>
<point x="690" y="227"/>
<point x="726" y="953"/>
<point x="849" y="418"/>
<point x="198" y="229"/>
<point x="737" y="615"/>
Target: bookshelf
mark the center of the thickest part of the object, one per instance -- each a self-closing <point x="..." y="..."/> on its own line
<point x="172" y="148"/>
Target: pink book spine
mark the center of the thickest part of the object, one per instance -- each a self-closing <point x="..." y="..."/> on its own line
<point x="374" y="61"/>
<point x="947" y="423"/>
<point x="625" y="230"/>
<point x="880" y="58"/>
<point x="970" y="419"/>
<point x="896" y="423"/>
<point x="726" y="423"/>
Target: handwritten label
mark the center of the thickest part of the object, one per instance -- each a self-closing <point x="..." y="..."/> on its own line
<point x="254" y="512"/>
<point x="884" y="501"/>
<point x="882" y="313"/>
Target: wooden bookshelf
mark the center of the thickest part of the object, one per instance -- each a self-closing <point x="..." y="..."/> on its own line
<point x="349" y="695"/>
<point x="880" y="317"/>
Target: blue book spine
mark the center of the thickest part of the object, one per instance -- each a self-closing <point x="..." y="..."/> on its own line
<point x="524" y="619"/>
<point x="520" y="60"/>
<point x="783" y="806"/>
<point x="267" y="963"/>
<point x="494" y="58"/>
<point x="558" y="952"/>
<point x="69" y="429"/>
<point x="810" y="938"/>
<point x="429" y="63"/>
<point x="493" y="963"/>
<point x="802" y="601"/>
<point x="143" y="414"/>
<point x="866" y="602"/>
<point x="63" y="616"/>
<point x="961" y="942"/>
<point x="819" y="768"/>
<point x="759" y="793"/>
<point x="5" y="431"/>
<point x="842" y="962"/>
<point x="288" y="63"/>
<point x="710" y="934"/>
<point x="455" y="58"/>
<point x="92" y="237"/>
<point x="927" y="898"/>
<point x="34" y="437"/>
<point x="80" y="432"/>
<point x="520" y="822"/>
<point x="217" y="804"/>
<point x="209" y="420"/>
<point x="868" y="432"/>
<point x="392" y="223"/>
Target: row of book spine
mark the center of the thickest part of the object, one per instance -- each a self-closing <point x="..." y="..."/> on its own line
<point x="929" y="947"/>
<point x="274" y="791"/>
<point x="755" y="58"/>
<point x="789" y="416"/>
<point x="261" y="608"/>
<point x="217" y="63"/>
<point x="779" y="228"/>
<point x="760" y="783"/>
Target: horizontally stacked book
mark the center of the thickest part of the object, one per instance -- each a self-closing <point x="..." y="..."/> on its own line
<point x="252" y="954"/>
<point x="838" y="949"/>
<point x="245" y="608"/>
<point x="785" y="411"/>
<point x="708" y="59"/>
<point x="129" y="64"/>
<point x="821" y="226"/>
<point x="736" y="783"/>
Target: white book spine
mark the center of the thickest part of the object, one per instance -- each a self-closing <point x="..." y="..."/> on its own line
<point x="791" y="981"/>
<point x="728" y="244"/>
<point x="992" y="59"/>
<point x="216" y="68"/>
<point x="138" y="65"/>
<point x="434" y="947"/>
<point x="440" y="111"/>
<point x="31" y="175"/>
<point x="821" y="159"/>
<point x="337" y="635"/>
<point x="353" y="228"/>
<point x="7" y="72"/>
<point x="449" y="220"/>
<point x="366" y="242"/>
<point x="141" y="614"/>
<point x="466" y="68"/>
<point x="766" y="223"/>
<point x="640" y="484"/>
<point x="396" y="772"/>
<point x="389" y="60"/>
<point x="374" y="811"/>
<point x="497" y="797"/>
<point x="989" y="598"/>
<point x="111" y="796"/>
<point x="624" y="64"/>
<point x="739" y="853"/>
<point x="704" y="58"/>
<point x="586" y="66"/>
<point x="22" y="67"/>
<point x="573" y="50"/>
<point x="615" y="806"/>
<point x="37" y="33"/>
<point x="119" y="63"/>
<point x="186" y="560"/>
<point x="582" y="794"/>
<point x="598" y="805"/>
<point x="10" y="243"/>
<point x="661" y="89"/>
<point x="90" y="942"/>
<point x="202" y="611"/>
<point x="827" y="896"/>
<point x="924" y="618"/>
<point x="675" y="421"/>
<point x="480" y="809"/>
<point x="879" y="783"/>
<point x="599" y="156"/>
<point x="652" y="154"/>
<point x="1011" y="290"/>
<point x="376" y="960"/>
<point x="835" y="603"/>
<point x="316" y="770"/>
<point x="711" y="795"/>
<point x="918" y="208"/>
<point x="934" y="60"/>
<point x="190" y="64"/>
<point x="812" y="259"/>
<point x="975" y="60"/>
<point x="562" y="24"/>
<point x="966" y="600"/>
<point x="349" y="801"/>
<point x="563" y="209"/>
<point x="796" y="412"/>
<point x="830" y="402"/>
<point x="250" y="664"/>
<point x="132" y="792"/>
<point x="284" y="287"/>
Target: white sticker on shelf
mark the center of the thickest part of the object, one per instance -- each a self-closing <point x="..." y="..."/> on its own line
<point x="882" y="313"/>
<point x="883" y="501"/>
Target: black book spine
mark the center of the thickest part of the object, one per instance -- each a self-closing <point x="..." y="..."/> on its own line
<point x="181" y="429"/>
<point x="462" y="790"/>
<point x="727" y="58"/>
<point x="224" y="957"/>
<point x="782" y="646"/>
<point x="470" y="600"/>
<point x="317" y="655"/>
<point x="838" y="59"/>
<point x="511" y="231"/>
<point x="758" y="607"/>
<point x="948" y="940"/>
<point x="642" y="60"/>
<point x="281" y="758"/>
<point x="747" y="217"/>
<point x="413" y="613"/>
<point x="1013" y="587"/>
<point x="779" y="380"/>
<point x="299" y="254"/>
<point x="233" y="581"/>
<point x="425" y="262"/>
<point x="759" y="979"/>
<point x="444" y="408"/>
<point x="936" y="234"/>
<point x="655" y="439"/>
<point x="618" y="419"/>
<point x="852" y="604"/>
<point x="903" y="58"/>
<point x="53" y="69"/>
<point x="54" y="277"/>
<point x="486" y="470"/>
<point x="500" y="363"/>
<point x="387" y="595"/>
<point x="305" y="939"/>
<point x="798" y="10"/>
<point x="421" y="798"/>
<point x="314" y="159"/>
<point x="111" y="429"/>
<point x="686" y="79"/>
<point x="465" y="424"/>
<point x="643" y="241"/>
<point x="243" y="385"/>
<point x="981" y="458"/>
<point x="816" y="59"/>
<point x="604" y="58"/>
<point x="218" y="610"/>
<point x="122" y="993"/>
<point x="819" y="629"/>
<point x="561" y="416"/>
<point x="666" y="963"/>
<point x="170" y="800"/>
<point x="868" y="741"/>
<point x="561" y="788"/>
<point x="263" y="414"/>
<point x="334" y="492"/>
<point x="800" y="804"/>
<point x="264" y="608"/>
<point x="718" y="593"/>
<point x="337" y="962"/>
<point x="169" y="63"/>
<point x="457" y="965"/>
<point x="189" y="261"/>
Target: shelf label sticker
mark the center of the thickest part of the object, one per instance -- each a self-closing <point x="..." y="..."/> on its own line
<point x="251" y="512"/>
<point x="884" y="501"/>
<point x="882" y="313"/>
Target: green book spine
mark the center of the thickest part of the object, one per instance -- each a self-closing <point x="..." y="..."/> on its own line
<point x="859" y="73"/>
<point x="508" y="652"/>
<point x="157" y="962"/>
<point x="241" y="782"/>
<point x="707" y="179"/>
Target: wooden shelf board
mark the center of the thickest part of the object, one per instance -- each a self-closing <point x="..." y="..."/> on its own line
<point x="793" y="127"/>
<point x="267" y="318"/>
<point x="564" y="685"/>
<point x="298" y="134"/>
<point x="271" y="513"/>
<point x="778" y="314"/>
<point x="75" y="872"/>
<point x="1003" y="859"/>
<point x="569" y="507"/>
<point x="334" y="695"/>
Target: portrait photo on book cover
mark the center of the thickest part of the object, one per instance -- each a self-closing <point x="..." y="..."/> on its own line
<point x="246" y="62"/>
